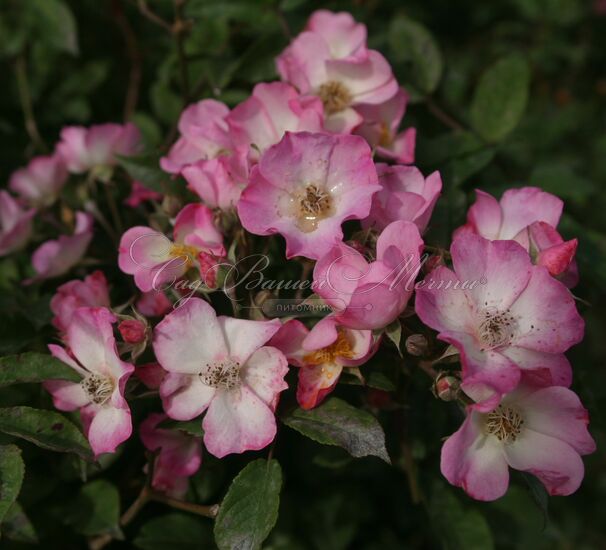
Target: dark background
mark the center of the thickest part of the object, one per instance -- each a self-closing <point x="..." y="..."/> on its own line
<point x="71" y="63"/>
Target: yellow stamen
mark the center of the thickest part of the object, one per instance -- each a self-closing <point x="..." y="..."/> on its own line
<point x="185" y="252"/>
<point x="341" y="347"/>
<point x="335" y="96"/>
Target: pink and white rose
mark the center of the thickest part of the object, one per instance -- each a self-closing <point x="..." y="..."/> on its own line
<point x="542" y="431"/>
<point x="504" y="315"/>
<point x="221" y="365"/>
<point x="91" y="352"/>
<point x="305" y="187"/>
<point x="41" y="181"/>
<point x="15" y="224"/>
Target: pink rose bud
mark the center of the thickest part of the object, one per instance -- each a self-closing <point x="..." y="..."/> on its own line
<point x="132" y="331"/>
<point x="558" y="258"/>
<point x="446" y="387"/>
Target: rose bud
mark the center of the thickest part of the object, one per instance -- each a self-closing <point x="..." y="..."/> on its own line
<point x="133" y="331"/>
<point x="416" y="344"/>
<point x="446" y="387"/>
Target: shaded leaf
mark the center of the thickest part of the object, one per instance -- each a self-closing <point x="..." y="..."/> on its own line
<point x="56" y="25"/>
<point x="411" y="43"/>
<point x="394" y="333"/>
<point x="47" y="429"/>
<point x="539" y="494"/>
<point x="34" y="367"/>
<point x="96" y="509"/>
<point x="146" y="169"/>
<point x="17" y="526"/>
<point x="336" y="422"/>
<point x="174" y="531"/>
<point x="500" y="98"/>
<point x="191" y="427"/>
<point x="250" y="508"/>
<point x="12" y="470"/>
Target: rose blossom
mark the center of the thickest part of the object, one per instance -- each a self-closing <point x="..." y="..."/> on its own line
<point x="15" y="224"/>
<point x="221" y="364"/>
<point x="154" y="260"/>
<point x="380" y="129"/>
<point x="504" y="315"/>
<point x="92" y="292"/>
<point x="218" y="182"/>
<point x="305" y="187"/>
<point x="342" y="73"/>
<point x="369" y="295"/>
<point x="405" y="195"/>
<point x="515" y="217"/>
<point x="204" y="135"/>
<point x="179" y="455"/>
<point x="537" y="430"/>
<point x="96" y="147"/>
<point x="40" y="181"/>
<point x="91" y="352"/>
<point x="56" y="257"/>
<point x="321" y="356"/>
<point x="273" y="109"/>
<point x="343" y="35"/>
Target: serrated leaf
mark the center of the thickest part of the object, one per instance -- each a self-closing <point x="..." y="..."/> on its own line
<point x="500" y="98"/>
<point x="47" y="429"/>
<point x="250" y="508"/>
<point x="34" y="367"/>
<point x="17" y="526"/>
<point x="336" y="422"/>
<point x="96" y="509"/>
<point x="413" y="44"/>
<point x="174" y="531"/>
<point x="12" y="470"/>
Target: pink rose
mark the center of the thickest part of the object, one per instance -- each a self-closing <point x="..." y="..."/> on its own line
<point x="15" y="224"/>
<point x="41" y="181"/>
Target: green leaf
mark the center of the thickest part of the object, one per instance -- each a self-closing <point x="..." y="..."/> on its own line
<point x="336" y="422"/>
<point x="561" y="180"/>
<point x="250" y="508"/>
<point x="459" y="528"/>
<point x="12" y="470"/>
<point x="47" y="429"/>
<point x="96" y="509"/>
<point x="17" y="526"/>
<point x="411" y="43"/>
<point x="146" y="169"/>
<point x="191" y="427"/>
<point x="539" y="494"/>
<point x="34" y="367"/>
<point x="56" y="25"/>
<point x="174" y="531"/>
<point x="500" y="98"/>
<point x="394" y="333"/>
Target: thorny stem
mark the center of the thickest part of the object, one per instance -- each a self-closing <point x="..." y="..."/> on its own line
<point x="26" y="103"/>
<point x="427" y="367"/>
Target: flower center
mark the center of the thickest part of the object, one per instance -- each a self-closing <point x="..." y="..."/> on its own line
<point x="335" y="96"/>
<point x="98" y="387"/>
<point x="222" y="374"/>
<point x="312" y="205"/>
<point x="496" y="328"/>
<point x="341" y="347"/>
<point x="385" y="136"/>
<point x="185" y="252"/>
<point x="505" y="423"/>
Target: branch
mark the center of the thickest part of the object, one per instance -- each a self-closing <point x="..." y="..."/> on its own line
<point x="146" y="12"/>
<point x="442" y="116"/>
<point x="180" y="29"/>
<point x="25" y="99"/>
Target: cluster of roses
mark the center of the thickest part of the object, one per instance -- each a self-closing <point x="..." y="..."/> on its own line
<point x="296" y="159"/>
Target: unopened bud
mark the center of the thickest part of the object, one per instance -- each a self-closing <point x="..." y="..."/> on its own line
<point x="132" y="331"/>
<point x="416" y="344"/>
<point x="446" y="387"/>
